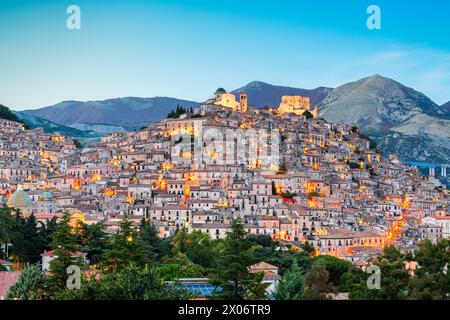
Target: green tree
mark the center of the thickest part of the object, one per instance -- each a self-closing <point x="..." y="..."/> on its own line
<point x="354" y="165"/>
<point x="308" y="248"/>
<point x="432" y="279"/>
<point x="433" y="258"/>
<point x="29" y="286"/>
<point x="130" y="282"/>
<point x="21" y="236"/>
<point x="199" y="249"/>
<point x="231" y="272"/>
<point x="32" y="241"/>
<point x="183" y="268"/>
<point x="6" y="229"/>
<point x="257" y="289"/>
<point x="353" y="281"/>
<point x="179" y="241"/>
<point x="394" y="279"/>
<point x="77" y="144"/>
<point x="291" y="285"/>
<point x="47" y="231"/>
<point x="308" y="114"/>
<point x="7" y="114"/>
<point x="149" y="235"/>
<point x="177" y="112"/>
<point x="92" y="240"/>
<point x="428" y="287"/>
<point x="263" y="240"/>
<point x="316" y="283"/>
<point x="65" y="250"/>
<point x="336" y="268"/>
<point x="16" y="234"/>
<point x="126" y="246"/>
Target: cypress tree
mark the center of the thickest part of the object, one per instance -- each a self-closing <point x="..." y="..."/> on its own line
<point x="65" y="246"/>
<point x="124" y="247"/>
<point x="231" y="274"/>
<point x="32" y="241"/>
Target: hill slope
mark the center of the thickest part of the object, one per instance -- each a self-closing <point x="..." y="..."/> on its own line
<point x="446" y="106"/>
<point x="7" y="114"/>
<point x="51" y="127"/>
<point x="376" y="104"/>
<point x="127" y="112"/>
<point x="401" y="120"/>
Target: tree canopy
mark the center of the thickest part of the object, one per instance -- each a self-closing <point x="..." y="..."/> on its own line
<point x="134" y="263"/>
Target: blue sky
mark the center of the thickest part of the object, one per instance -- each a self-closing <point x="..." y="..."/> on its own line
<point x="188" y="48"/>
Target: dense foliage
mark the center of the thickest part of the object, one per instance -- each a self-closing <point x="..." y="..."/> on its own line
<point x="29" y="286"/>
<point x="308" y="114"/>
<point x="134" y="263"/>
<point x="175" y="114"/>
<point x="231" y="271"/>
<point x="77" y="144"/>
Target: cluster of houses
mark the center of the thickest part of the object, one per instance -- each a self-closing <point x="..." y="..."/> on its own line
<point x="289" y="176"/>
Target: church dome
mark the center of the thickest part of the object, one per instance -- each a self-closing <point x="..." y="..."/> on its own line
<point x="19" y="199"/>
<point x="46" y="196"/>
<point x="76" y="217"/>
<point x="220" y="91"/>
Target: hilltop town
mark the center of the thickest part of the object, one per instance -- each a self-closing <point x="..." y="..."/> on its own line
<point x="283" y="171"/>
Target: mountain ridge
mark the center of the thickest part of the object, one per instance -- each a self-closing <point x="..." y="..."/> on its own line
<point x="396" y="116"/>
<point x="446" y="106"/>
<point x="34" y="122"/>
<point x="377" y="103"/>
<point x="262" y="94"/>
<point x="126" y="112"/>
<point x="134" y="112"/>
<point x="401" y="120"/>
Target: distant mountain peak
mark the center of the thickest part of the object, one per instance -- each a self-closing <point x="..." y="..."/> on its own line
<point x="262" y="84"/>
<point x="378" y="76"/>
<point x="376" y="103"/>
<point x="257" y="84"/>
<point x="262" y="94"/>
<point x="377" y="81"/>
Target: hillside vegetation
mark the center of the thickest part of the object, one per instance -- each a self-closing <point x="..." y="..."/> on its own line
<point x="7" y="114"/>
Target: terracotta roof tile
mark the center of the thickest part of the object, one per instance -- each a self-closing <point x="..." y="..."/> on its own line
<point x="7" y="279"/>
